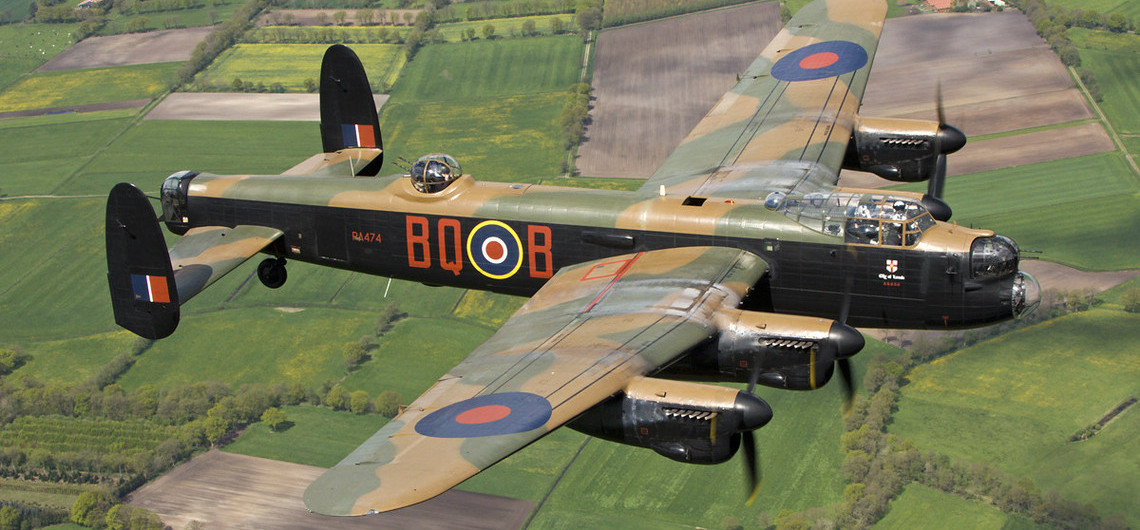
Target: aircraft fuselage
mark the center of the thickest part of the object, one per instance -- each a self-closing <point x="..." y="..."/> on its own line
<point x="511" y="238"/>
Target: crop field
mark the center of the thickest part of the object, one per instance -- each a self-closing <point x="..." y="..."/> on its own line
<point x="505" y="27"/>
<point x="1053" y="379"/>
<point x="24" y="47"/>
<point x="51" y="494"/>
<point x="513" y="138"/>
<point x="618" y="12"/>
<point x="924" y="507"/>
<point x="1079" y="227"/>
<point x="484" y="68"/>
<point x="83" y="87"/>
<point x="292" y="64"/>
<point x="1118" y="73"/>
<point x="38" y="154"/>
<point x="1125" y="7"/>
<point x="316" y="436"/>
<point x="59" y="434"/>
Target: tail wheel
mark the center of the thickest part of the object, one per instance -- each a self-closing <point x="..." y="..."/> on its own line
<point x="272" y="272"/>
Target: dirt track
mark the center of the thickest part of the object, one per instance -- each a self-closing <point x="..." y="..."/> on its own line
<point x="654" y="82"/>
<point x="228" y="106"/>
<point x="222" y="490"/>
<point x="135" y="48"/>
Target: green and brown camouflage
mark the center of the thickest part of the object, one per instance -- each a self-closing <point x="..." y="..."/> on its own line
<point x="739" y="260"/>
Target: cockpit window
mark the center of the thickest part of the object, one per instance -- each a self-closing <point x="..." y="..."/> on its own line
<point x="432" y="173"/>
<point x="866" y="219"/>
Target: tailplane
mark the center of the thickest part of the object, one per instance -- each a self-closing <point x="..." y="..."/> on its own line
<point x="348" y="112"/>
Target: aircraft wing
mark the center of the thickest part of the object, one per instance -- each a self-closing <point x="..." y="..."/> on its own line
<point x="207" y="253"/>
<point x="583" y="337"/>
<point x="786" y="124"/>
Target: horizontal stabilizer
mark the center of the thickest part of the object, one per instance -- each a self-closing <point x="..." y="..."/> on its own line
<point x="143" y="292"/>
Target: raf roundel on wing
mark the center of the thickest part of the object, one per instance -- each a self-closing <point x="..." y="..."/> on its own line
<point x="488" y="415"/>
<point x="820" y="60"/>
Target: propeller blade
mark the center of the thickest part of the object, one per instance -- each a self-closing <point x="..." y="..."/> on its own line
<point x="937" y="182"/>
<point x="941" y="110"/>
<point x="752" y="467"/>
<point x="848" y="383"/>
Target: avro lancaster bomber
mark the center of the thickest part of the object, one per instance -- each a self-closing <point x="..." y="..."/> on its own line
<point x="739" y="260"/>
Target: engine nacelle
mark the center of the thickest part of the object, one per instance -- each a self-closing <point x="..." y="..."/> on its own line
<point x="784" y="351"/>
<point x="900" y="150"/>
<point x="688" y="422"/>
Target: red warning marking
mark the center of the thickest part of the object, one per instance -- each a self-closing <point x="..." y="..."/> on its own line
<point x="484" y="414"/>
<point x="819" y="60"/>
<point x="617" y="276"/>
<point x="495" y="250"/>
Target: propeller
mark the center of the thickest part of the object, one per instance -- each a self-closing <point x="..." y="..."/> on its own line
<point x="844" y="363"/>
<point x="751" y="456"/>
<point x="949" y="139"/>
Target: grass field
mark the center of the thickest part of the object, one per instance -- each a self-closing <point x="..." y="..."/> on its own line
<point x="923" y="507"/>
<point x="479" y="69"/>
<point x="1078" y="225"/>
<point x="84" y="87"/>
<point x="24" y="47"/>
<point x="51" y="494"/>
<point x="1016" y="400"/>
<point x="292" y="64"/>
<point x="1118" y="73"/>
<point x="315" y="436"/>
<point x="38" y="154"/>
<point x="82" y="356"/>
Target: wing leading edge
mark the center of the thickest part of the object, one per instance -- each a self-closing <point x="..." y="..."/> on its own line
<point x="590" y="331"/>
<point x="786" y="124"/>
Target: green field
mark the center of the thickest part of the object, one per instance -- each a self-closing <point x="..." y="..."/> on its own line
<point x="38" y="154"/>
<point x="292" y="64"/>
<point x="152" y="150"/>
<point x="1078" y="225"/>
<point x="924" y="507"/>
<point x="51" y="494"/>
<point x="479" y="69"/>
<point x="85" y="87"/>
<point x="56" y="288"/>
<point x="504" y="27"/>
<point x="181" y="18"/>
<point x="1118" y="73"/>
<point x="24" y="47"/>
<point x="254" y="345"/>
<point x="1128" y="8"/>
<point x="512" y="139"/>
<point x="1016" y="400"/>
<point x="82" y="356"/>
<point x="315" y="436"/>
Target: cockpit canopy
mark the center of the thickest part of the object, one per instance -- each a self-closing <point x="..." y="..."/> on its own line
<point x="860" y="218"/>
<point x="432" y="173"/>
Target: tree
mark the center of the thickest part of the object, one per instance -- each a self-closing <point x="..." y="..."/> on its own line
<point x="488" y="31"/>
<point x="388" y="403"/>
<point x="1131" y="300"/>
<point x="359" y="402"/>
<point x="589" y="18"/>
<point x="90" y="509"/>
<point x="528" y="28"/>
<point x="310" y="85"/>
<point x="237" y="85"/>
<point x="273" y="417"/>
<point x="339" y="18"/>
<point x="9" y="518"/>
<point x="216" y="428"/>
<point x="337" y="398"/>
<point x="556" y="26"/>
<point x="364" y="17"/>
<point x="322" y="19"/>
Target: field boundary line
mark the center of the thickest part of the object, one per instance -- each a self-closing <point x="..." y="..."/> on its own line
<point x="1104" y="120"/>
